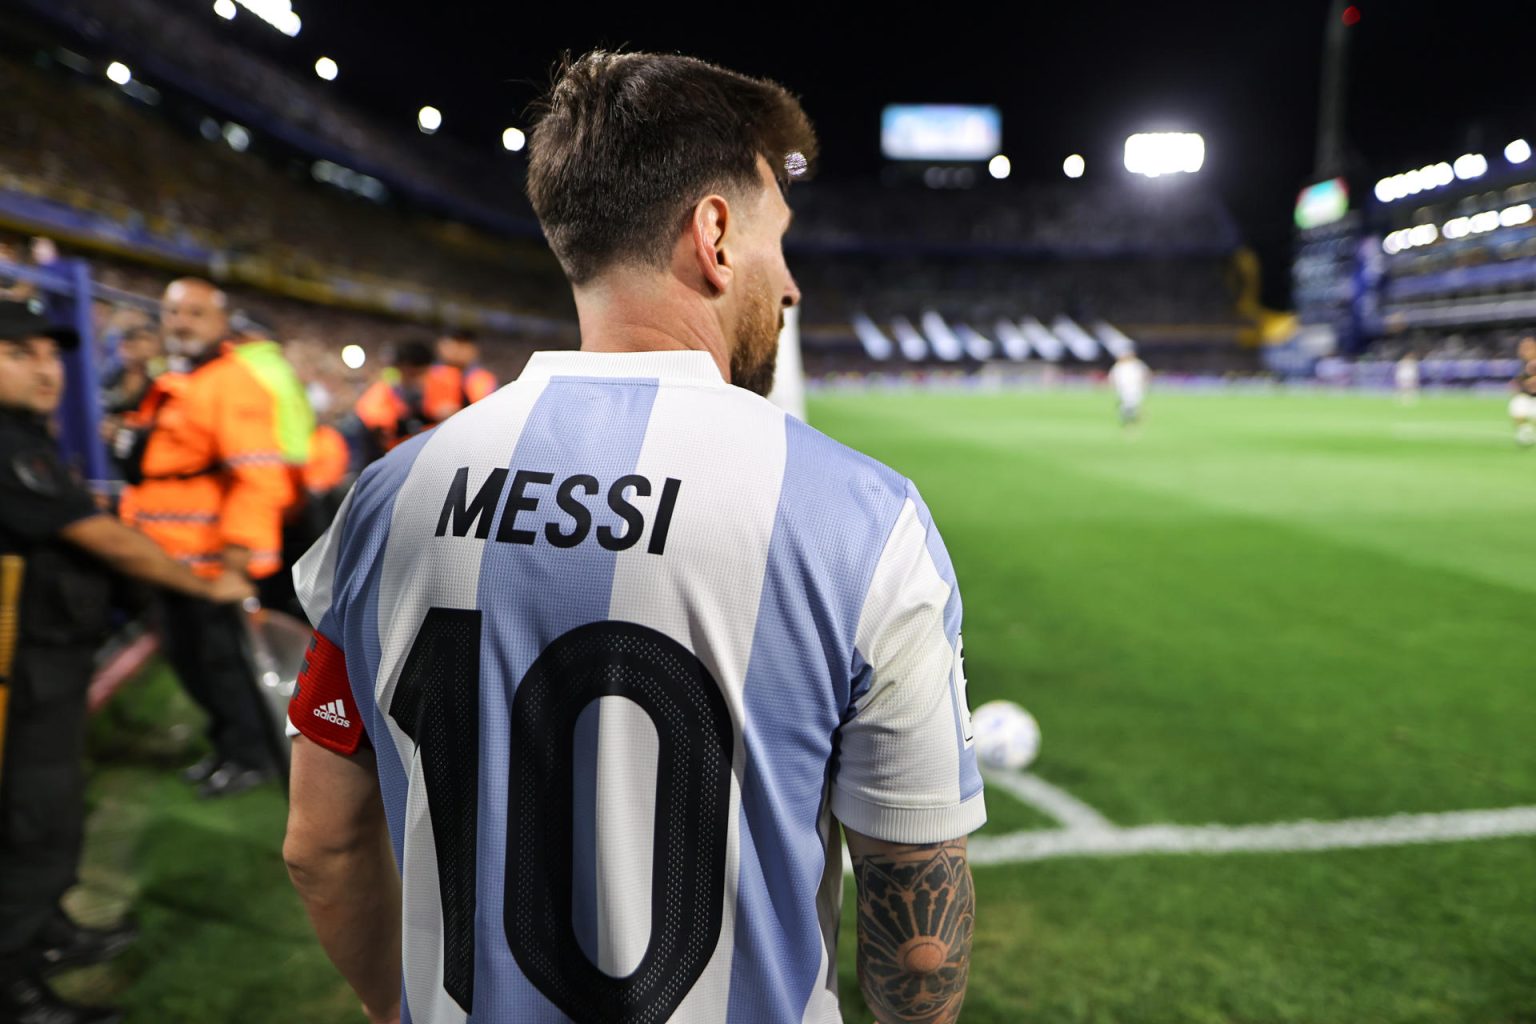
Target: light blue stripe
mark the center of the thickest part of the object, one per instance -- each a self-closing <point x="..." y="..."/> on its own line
<point x="353" y="621"/>
<point x="353" y="617"/>
<point x="836" y="509"/>
<point x="529" y="596"/>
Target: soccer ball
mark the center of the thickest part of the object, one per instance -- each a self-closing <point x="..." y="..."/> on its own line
<point x="1007" y="736"/>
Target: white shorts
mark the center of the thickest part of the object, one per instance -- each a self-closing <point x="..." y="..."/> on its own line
<point x="1522" y="407"/>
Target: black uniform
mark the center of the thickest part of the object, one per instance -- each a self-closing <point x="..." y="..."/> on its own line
<point x="65" y="612"/>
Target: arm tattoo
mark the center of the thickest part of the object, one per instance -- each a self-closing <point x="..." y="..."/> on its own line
<point x="917" y="913"/>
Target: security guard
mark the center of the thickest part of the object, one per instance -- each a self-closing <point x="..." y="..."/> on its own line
<point x="57" y="555"/>
<point x="210" y="486"/>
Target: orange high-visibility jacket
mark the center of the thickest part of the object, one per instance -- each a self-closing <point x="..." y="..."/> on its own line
<point x="385" y="410"/>
<point x="214" y="474"/>
<point x="329" y="460"/>
<point x="449" y="389"/>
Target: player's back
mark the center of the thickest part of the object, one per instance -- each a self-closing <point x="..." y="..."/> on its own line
<point x="611" y="633"/>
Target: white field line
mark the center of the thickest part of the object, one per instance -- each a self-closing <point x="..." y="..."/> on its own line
<point x="1284" y="837"/>
<point x="1050" y="800"/>
<point x="1087" y="833"/>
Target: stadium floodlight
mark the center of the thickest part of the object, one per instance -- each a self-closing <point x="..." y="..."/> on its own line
<point x="1157" y="153"/>
<point x="118" y="73"/>
<point x="513" y="140"/>
<point x="354" y="357"/>
<point x="277" y="13"/>
<point x="429" y="119"/>
<point x="1514" y="216"/>
<point x="1517" y="152"/>
<point x="327" y="69"/>
<point x="1444" y="175"/>
<point x="224" y="9"/>
<point x="1459" y="227"/>
<point x="1386" y="190"/>
<point x="1074" y="166"/>
<point x="1470" y="165"/>
<point x="1485" y="222"/>
<point x="237" y="137"/>
<point x="1423" y="234"/>
<point x="999" y="167"/>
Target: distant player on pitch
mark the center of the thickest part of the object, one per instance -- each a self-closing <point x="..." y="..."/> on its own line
<point x="607" y="660"/>
<point x="1407" y="376"/>
<point x="1130" y="377"/>
<point x="1522" y="404"/>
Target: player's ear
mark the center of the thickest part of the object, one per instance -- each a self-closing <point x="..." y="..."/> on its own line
<point x="707" y="232"/>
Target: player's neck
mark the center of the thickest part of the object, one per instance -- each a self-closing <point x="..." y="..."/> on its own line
<point x="653" y="314"/>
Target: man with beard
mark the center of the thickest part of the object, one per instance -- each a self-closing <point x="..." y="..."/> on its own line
<point x="210" y="485"/>
<point x="604" y="661"/>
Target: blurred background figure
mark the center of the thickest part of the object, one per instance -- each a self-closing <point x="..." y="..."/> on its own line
<point x="1407" y="378"/>
<point x="1130" y="377"/>
<point x="209" y="482"/>
<point x="1522" y="404"/>
<point x="457" y="380"/>
<point x="393" y="408"/>
<point x="58" y="555"/>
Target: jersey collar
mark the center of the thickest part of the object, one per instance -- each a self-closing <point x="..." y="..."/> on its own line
<point x="667" y="366"/>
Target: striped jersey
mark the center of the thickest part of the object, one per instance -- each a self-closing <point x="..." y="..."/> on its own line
<point x="627" y="640"/>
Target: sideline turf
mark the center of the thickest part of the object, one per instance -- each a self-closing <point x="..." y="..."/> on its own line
<point x="1264" y="608"/>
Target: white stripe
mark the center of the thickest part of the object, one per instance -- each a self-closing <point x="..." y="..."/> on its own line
<point x="315" y="572"/>
<point x="704" y="591"/>
<point x="420" y="571"/>
<point x="628" y="750"/>
<point x="1041" y="795"/>
<point x="898" y="773"/>
<point x="341" y="709"/>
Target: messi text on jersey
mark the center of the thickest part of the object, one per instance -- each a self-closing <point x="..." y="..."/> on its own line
<point x="569" y="522"/>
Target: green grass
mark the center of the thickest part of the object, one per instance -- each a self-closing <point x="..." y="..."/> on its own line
<point x="1263" y="608"/>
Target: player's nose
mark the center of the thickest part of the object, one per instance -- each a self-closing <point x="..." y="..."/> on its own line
<point x="791" y="292"/>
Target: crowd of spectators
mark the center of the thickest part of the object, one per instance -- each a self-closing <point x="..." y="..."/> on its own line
<point x="1075" y="218"/>
<point x="88" y="144"/>
<point x="981" y="289"/>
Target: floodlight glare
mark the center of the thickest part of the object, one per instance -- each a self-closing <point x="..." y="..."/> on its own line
<point x="1471" y="165"/>
<point x="327" y="69"/>
<point x="513" y="139"/>
<point x="1074" y="166"/>
<point x="1000" y="167"/>
<point x="118" y="73"/>
<point x="429" y="119"/>
<point x="1157" y="153"/>
<point x="1517" y="152"/>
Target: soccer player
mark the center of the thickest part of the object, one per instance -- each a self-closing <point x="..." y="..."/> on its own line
<point x="1522" y="404"/>
<point x="1130" y="377"/>
<point x="1407" y="376"/>
<point x="603" y="662"/>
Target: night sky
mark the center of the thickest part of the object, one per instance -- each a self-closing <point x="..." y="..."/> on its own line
<point x="1428" y="78"/>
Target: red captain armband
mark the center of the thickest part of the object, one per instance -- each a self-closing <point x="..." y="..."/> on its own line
<point x="322" y="708"/>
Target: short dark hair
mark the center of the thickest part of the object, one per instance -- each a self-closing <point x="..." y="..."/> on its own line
<point x="414" y="354"/>
<point x="468" y="334"/>
<point x="626" y="143"/>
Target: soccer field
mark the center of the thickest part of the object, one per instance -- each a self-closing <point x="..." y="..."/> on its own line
<point x="1262" y="611"/>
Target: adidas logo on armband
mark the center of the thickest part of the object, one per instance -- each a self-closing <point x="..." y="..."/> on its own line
<point x="335" y="712"/>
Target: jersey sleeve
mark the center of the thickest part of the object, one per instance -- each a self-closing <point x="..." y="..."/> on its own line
<point x="906" y="770"/>
<point x="38" y="497"/>
<point x="323" y="709"/>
